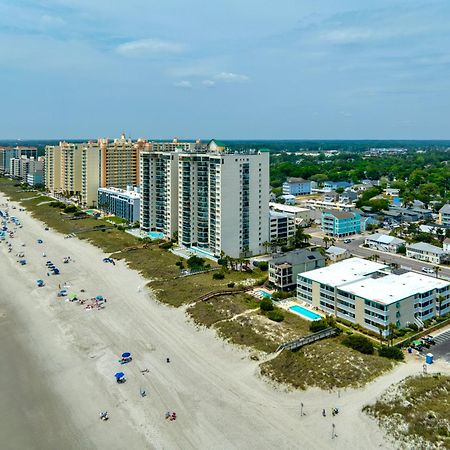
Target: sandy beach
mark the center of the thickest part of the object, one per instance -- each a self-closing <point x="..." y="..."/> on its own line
<point x="59" y="360"/>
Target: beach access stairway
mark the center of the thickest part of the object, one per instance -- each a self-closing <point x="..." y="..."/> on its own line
<point x="301" y="342"/>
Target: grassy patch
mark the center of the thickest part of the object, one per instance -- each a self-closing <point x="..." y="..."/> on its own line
<point x="189" y="289"/>
<point x="221" y="308"/>
<point x="417" y="411"/>
<point x="326" y="364"/>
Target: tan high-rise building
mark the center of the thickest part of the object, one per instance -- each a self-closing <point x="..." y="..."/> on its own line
<point x="120" y="162"/>
<point x="80" y="169"/>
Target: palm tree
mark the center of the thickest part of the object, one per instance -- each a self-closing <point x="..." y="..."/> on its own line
<point x="266" y="245"/>
<point x="436" y="269"/>
<point x="326" y="240"/>
<point x="392" y="327"/>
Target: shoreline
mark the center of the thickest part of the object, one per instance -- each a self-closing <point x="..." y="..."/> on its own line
<point x="220" y="399"/>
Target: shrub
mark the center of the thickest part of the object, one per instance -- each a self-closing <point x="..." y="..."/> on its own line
<point x="195" y="262"/>
<point x="121" y="228"/>
<point x="276" y="315"/>
<point x="263" y="266"/>
<point x="259" y="282"/>
<point x="70" y="209"/>
<point x="166" y="245"/>
<point x="413" y="327"/>
<point x="218" y="275"/>
<point x="179" y="264"/>
<point x="280" y="295"/>
<point x="266" y="304"/>
<point x="231" y="285"/>
<point x="318" y="325"/>
<point x="391" y="353"/>
<point x="359" y="343"/>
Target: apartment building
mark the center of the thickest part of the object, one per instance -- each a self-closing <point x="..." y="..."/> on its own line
<point x="296" y="186"/>
<point x="444" y="215"/>
<point x="425" y="252"/>
<point x="124" y="203"/>
<point x="176" y="145"/>
<point x="446" y="245"/>
<point x="119" y="162"/>
<point x="216" y="202"/>
<point x="284" y="268"/>
<point x="21" y="167"/>
<point x="341" y="223"/>
<point x="79" y="169"/>
<point x="367" y="293"/>
<point x="302" y="216"/>
<point x="7" y="153"/>
<point x="282" y="226"/>
<point x="159" y="192"/>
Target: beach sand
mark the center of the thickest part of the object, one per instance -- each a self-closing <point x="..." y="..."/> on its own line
<point x="59" y="360"/>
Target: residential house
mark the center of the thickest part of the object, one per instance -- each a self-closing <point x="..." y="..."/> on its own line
<point x="446" y="246"/>
<point x="301" y="216"/>
<point x="384" y="242"/>
<point x="333" y="185"/>
<point x="336" y="254"/>
<point x="284" y="268"/>
<point x="348" y="197"/>
<point x="444" y="215"/>
<point x="425" y="252"/>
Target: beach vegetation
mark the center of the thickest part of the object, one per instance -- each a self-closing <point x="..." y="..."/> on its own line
<point x="359" y="343"/>
<point x="266" y="304"/>
<point x="218" y="276"/>
<point x="391" y="352"/>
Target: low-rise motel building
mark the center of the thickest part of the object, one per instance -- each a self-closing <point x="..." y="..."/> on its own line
<point x="371" y="295"/>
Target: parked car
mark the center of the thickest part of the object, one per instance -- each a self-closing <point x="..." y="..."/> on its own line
<point x="347" y="241"/>
<point x="427" y="270"/>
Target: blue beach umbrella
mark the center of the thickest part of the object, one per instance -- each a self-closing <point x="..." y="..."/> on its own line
<point x="99" y="297"/>
<point x="126" y="355"/>
<point x="119" y="375"/>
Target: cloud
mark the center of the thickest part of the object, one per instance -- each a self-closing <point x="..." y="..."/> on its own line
<point x="145" y="47"/>
<point x="230" y="77"/>
<point x="208" y="83"/>
<point x="184" y="84"/>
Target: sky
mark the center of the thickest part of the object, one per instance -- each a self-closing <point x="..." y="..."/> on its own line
<point x="225" y="69"/>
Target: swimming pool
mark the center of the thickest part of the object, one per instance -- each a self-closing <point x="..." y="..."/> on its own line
<point x="264" y="294"/>
<point x="155" y="235"/>
<point x="306" y="313"/>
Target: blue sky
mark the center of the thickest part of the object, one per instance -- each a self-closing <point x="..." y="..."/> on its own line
<point x="244" y="69"/>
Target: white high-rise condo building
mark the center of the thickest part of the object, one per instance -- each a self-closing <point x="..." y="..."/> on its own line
<point x="216" y="202"/>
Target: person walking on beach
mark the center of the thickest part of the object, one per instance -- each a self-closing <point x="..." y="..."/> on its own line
<point x="324" y="414"/>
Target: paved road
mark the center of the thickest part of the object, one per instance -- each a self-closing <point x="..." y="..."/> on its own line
<point x="442" y="347"/>
<point x="387" y="258"/>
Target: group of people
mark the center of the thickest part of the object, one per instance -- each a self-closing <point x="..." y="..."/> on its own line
<point x="171" y="416"/>
<point x="334" y="412"/>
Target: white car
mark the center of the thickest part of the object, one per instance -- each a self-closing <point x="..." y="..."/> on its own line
<point x="427" y="270"/>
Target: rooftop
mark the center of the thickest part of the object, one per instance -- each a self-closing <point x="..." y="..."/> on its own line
<point x="385" y="239"/>
<point x="423" y="246"/>
<point x="296" y="180"/>
<point x="445" y="209"/>
<point x="336" y="250"/>
<point x="392" y="288"/>
<point x="287" y="208"/>
<point x="340" y="214"/>
<point x="344" y="272"/>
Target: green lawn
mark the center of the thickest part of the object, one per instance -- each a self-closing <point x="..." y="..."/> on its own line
<point x="417" y="411"/>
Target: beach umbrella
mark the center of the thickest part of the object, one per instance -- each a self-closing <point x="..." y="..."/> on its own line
<point x="119" y="375"/>
<point x="126" y="355"/>
<point x="73" y="296"/>
<point x="99" y="297"/>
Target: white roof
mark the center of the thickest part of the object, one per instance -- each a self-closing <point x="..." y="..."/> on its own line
<point x="287" y="208"/>
<point x="343" y="272"/>
<point x="336" y="250"/>
<point x="385" y="239"/>
<point x="423" y="246"/>
<point x="392" y="288"/>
